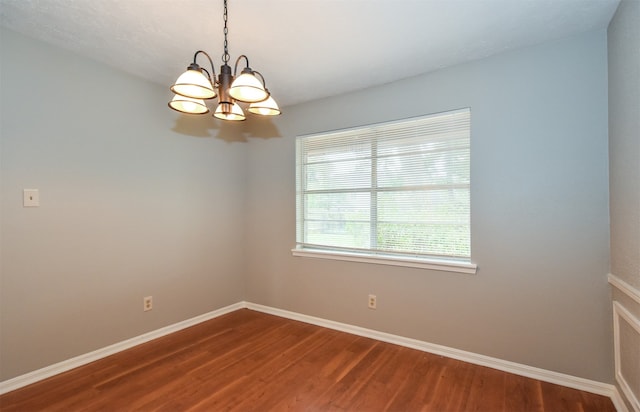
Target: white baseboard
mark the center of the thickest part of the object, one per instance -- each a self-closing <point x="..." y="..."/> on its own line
<point x="49" y="371"/>
<point x="499" y="364"/>
<point x="477" y="359"/>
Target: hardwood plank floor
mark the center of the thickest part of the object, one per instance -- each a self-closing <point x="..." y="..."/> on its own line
<point x="251" y="361"/>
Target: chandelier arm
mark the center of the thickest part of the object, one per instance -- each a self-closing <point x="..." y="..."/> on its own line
<point x="264" y="83"/>
<point x="213" y="69"/>
<point x="235" y="69"/>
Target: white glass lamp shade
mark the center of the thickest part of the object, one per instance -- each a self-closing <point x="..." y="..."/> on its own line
<point x="235" y="113"/>
<point x="247" y="88"/>
<point x="188" y="105"/>
<point x="267" y="107"/>
<point x="194" y="84"/>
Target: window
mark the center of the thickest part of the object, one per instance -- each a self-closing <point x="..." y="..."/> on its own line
<point x="394" y="193"/>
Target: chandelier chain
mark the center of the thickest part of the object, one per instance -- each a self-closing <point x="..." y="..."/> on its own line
<point x="225" y="56"/>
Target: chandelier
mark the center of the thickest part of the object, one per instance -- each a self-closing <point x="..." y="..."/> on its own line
<point x="196" y="85"/>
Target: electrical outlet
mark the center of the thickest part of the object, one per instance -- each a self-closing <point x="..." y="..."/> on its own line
<point x="372" y="301"/>
<point x="147" y="303"/>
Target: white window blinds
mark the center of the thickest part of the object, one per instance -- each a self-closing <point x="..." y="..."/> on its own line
<point x="399" y="188"/>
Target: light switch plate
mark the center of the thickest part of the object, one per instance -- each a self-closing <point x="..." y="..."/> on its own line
<point x="31" y="198"/>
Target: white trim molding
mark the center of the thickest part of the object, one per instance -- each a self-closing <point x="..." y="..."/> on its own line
<point x="446" y="265"/>
<point x="622" y="314"/>
<point x="57" y="368"/>
<point x="623" y="286"/>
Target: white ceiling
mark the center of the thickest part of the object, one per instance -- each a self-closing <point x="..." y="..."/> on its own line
<point x="306" y="49"/>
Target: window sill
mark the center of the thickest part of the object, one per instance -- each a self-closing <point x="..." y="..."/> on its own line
<point x="424" y="263"/>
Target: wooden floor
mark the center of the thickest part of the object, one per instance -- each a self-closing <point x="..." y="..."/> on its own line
<point x="250" y="361"/>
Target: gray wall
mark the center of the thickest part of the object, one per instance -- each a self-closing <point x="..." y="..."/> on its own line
<point x="540" y="217"/>
<point x="138" y="201"/>
<point x="134" y="202"/>
<point x="624" y="169"/>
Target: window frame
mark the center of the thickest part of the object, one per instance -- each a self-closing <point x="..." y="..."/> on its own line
<point x="373" y="256"/>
